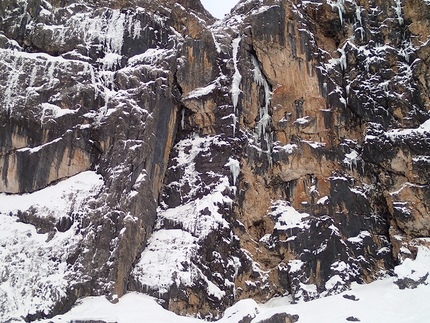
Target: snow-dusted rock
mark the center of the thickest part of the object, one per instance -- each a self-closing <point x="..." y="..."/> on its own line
<point x="283" y="150"/>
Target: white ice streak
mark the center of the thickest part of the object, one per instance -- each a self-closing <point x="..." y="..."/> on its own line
<point x="264" y="111"/>
<point x="234" y="166"/>
<point x="340" y="5"/>
<point x="108" y="29"/>
<point x="358" y="17"/>
<point x="23" y="68"/>
<point x="343" y="62"/>
<point x="398" y="10"/>
<point x="217" y="44"/>
<point x="115" y="32"/>
<point x="262" y="133"/>
<point x="237" y="78"/>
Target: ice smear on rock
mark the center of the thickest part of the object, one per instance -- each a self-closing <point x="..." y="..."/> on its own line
<point x="263" y="133"/>
<point x="34" y="274"/>
<point x="234" y="166"/>
<point x="237" y="78"/>
<point x="191" y="223"/>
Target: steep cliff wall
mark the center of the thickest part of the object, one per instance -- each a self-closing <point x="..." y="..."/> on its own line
<point x="282" y="150"/>
<point x="90" y="87"/>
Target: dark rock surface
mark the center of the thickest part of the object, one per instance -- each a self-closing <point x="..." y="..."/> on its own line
<point x="281" y="318"/>
<point x="410" y="283"/>
<point x="281" y="151"/>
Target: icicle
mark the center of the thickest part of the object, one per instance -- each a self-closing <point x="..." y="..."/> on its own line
<point x="342" y="59"/>
<point x="340" y="15"/>
<point x="358" y="15"/>
<point x="33" y="76"/>
<point x="234" y="166"/>
<point x="339" y="4"/>
<point x="217" y="45"/>
<point x="265" y="118"/>
<point x="237" y="78"/>
<point x="50" y="67"/>
<point x="398" y="9"/>
<point x="341" y="9"/>
<point x="137" y="28"/>
<point x="12" y="83"/>
<point x="115" y="32"/>
<point x="183" y="118"/>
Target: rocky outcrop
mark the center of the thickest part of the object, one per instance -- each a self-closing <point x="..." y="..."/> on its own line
<point x="281" y="318"/>
<point x="282" y="150"/>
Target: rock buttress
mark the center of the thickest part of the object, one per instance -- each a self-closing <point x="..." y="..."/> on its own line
<point x="304" y="130"/>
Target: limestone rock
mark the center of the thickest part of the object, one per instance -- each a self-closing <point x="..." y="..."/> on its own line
<point x="283" y="150"/>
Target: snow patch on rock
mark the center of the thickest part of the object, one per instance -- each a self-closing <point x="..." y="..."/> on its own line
<point x="34" y="273"/>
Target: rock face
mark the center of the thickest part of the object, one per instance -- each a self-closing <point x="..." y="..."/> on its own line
<point x="282" y="150"/>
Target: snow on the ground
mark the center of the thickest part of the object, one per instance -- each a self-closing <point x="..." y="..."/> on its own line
<point x="381" y="301"/>
<point x="133" y="307"/>
<point x="33" y="266"/>
<point x="415" y="269"/>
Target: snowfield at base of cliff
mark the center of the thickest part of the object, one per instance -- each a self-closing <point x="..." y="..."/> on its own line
<point x="381" y="301"/>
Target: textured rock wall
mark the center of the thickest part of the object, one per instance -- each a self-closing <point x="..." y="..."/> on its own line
<point x="322" y="102"/>
<point x="283" y="150"/>
<point x="86" y="86"/>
